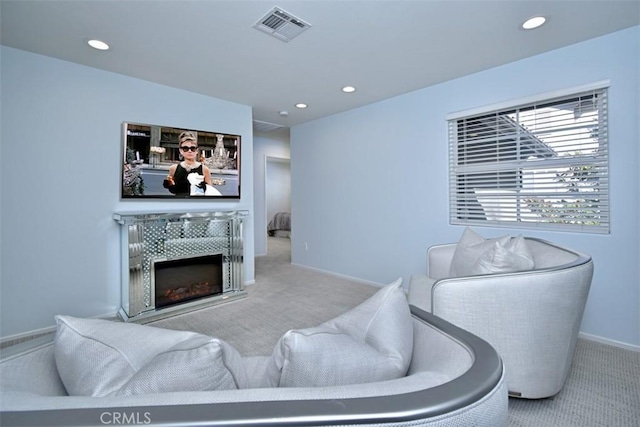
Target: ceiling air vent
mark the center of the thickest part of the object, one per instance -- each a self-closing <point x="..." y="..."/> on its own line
<point x="281" y="25"/>
<point x="260" y="126"/>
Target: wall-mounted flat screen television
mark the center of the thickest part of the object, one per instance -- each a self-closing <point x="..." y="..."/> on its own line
<point x="162" y="162"/>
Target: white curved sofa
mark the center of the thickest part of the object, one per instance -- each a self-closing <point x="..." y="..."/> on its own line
<point x="454" y="379"/>
<point x="532" y="318"/>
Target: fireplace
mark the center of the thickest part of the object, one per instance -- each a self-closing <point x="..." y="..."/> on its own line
<point x="177" y="262"/>
<point x="181" y="280"/>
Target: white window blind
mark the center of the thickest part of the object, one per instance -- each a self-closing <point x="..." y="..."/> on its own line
<point x="541" y="164"/>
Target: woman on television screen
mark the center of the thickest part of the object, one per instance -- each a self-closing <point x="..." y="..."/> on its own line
<point x="189" y="177"/>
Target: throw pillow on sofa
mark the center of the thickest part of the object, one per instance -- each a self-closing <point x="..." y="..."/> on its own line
<point x="98" y="357"/>
<point x="371" y="342"/>
<point x="476" y="255"/>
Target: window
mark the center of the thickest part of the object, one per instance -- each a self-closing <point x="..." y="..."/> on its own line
<point x="540" y="164"/>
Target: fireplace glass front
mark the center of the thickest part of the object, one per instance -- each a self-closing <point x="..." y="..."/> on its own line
<point x="181" y="280"/>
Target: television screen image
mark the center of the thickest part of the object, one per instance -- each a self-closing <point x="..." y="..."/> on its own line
<point x="165" y="162"/>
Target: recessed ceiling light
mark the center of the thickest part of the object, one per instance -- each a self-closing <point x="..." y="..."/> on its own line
<point x="348" y="89"/>
<point x="301" y="105"/>
<point x="534" y="22"/>
<point x="283" y="113"/>
<point x="98" y="44"/>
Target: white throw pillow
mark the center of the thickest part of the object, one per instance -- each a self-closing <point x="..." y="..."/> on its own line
<point x="371" y="342"/>
<point x="98" y="357"/>
<point x="476" y="255"/>
<point x="199" y="363"/>
<point x="468" y="250"/>
<point x="514" y="255"/>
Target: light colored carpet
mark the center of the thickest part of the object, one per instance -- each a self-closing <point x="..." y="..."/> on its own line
<point x="603" y="388"/>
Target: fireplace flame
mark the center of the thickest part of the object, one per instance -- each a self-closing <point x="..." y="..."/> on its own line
<point x="191" y="291"/>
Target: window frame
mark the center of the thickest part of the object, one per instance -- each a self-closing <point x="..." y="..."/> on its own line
<point x="497" y="165"/>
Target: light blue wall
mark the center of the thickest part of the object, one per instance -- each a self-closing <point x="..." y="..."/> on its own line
<point x="60" y="176"/>
<point x="370" y="186"/>
<point x="273" y="144"/>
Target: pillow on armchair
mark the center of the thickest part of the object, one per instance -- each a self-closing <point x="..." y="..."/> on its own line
<point x="476" y="255"/>
<point x="514" y="255"/>
<point x="371" y="342"/>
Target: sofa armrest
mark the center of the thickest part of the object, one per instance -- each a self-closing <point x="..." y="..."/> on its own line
<point x="439" y="259"/>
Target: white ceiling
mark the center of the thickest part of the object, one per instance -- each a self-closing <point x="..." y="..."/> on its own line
<point x="383" y="48"/>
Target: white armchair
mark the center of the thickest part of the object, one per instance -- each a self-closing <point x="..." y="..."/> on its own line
<point x="531" y="318"/>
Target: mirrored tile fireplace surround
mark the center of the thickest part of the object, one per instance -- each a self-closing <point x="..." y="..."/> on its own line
<point x="177" y="262"/>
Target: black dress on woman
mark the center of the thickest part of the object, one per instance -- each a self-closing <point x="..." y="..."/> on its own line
<point x="182" y="186"/>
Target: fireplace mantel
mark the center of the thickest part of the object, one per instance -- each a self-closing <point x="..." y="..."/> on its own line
<point x="150" y="237"/>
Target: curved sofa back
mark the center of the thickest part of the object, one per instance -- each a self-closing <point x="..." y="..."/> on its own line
<point x="453" y="374"/>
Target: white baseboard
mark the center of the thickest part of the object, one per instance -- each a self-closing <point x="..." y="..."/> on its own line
<point x="610" y="342"/>
<point x="47" y="330"/>
<point x="249" y="282"/>
<point x="27" y="335"/>
<point x="342" y="276"/>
